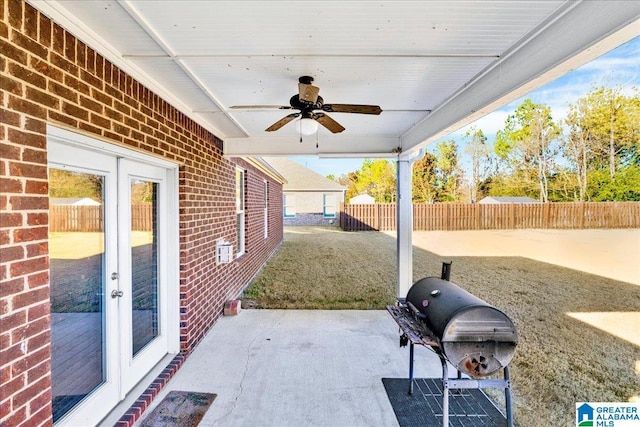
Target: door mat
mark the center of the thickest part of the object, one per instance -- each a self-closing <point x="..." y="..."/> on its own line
<point x="180" y="408"/>
<point x="467" y="407"/>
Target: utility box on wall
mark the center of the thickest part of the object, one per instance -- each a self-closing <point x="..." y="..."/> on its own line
<point x="224" y="252"/>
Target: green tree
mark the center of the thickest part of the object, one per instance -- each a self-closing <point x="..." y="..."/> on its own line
<point x="527" y="144"/>
<point x="448" y="174"/>
<point x="376" y="178"/>
<point x="423" y="181"/>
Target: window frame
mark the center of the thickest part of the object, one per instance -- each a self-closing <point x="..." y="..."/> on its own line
<point x="333" y="206"/>
<point x="291" y="199"/>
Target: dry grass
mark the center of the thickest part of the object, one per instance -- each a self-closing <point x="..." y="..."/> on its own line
<point x="559" y="360"/>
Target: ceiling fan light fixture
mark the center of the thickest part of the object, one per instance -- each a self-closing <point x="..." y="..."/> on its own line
<point x="308" y="126"/>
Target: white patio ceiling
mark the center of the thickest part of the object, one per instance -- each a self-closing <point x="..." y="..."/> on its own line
<point x="432" y="66"/>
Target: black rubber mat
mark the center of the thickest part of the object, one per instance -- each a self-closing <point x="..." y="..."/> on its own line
<point x="467" y="408"/>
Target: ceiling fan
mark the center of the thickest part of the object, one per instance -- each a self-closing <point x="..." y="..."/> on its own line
<point x="308" y="102"/>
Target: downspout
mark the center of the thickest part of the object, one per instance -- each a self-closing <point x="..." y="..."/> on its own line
<point x="404" y="222"/>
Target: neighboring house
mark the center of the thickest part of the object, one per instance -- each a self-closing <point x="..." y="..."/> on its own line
<point x="73" y="201"/>
<point x="86" y="316"/>
<point x="362" y="199"/>
<point x="503" y="200"/>
<point x="308" y="197"/>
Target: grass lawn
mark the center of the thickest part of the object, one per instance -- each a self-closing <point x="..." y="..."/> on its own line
<point x="559" y="361"/>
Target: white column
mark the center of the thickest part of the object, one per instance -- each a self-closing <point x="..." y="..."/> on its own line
<point x="404" y="226"/>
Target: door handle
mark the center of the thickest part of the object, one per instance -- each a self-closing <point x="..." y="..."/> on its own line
<point x="116" y="293"/>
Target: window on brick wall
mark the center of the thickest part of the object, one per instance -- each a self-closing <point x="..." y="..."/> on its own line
<point x="329" y="205"/>
<point x="289" y="204"/>
<point x="240" y="231"/>
<point x="266" y="209"/>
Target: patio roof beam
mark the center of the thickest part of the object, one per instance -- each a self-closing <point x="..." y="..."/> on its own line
<point x="533" y="63"/>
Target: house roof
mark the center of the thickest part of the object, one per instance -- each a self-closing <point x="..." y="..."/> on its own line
<point x="300" y="178"/>
<point x="78" y="201"/>
<point x="509" y="200"/>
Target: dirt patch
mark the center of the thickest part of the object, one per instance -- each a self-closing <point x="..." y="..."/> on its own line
<point x="560" y="359"/>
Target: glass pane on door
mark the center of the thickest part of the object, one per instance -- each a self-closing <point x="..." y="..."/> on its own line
<point x="77" y="263"/>
<point x="144" y="262"/>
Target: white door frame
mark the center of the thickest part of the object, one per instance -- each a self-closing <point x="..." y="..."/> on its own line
<point x="64" y="151"/>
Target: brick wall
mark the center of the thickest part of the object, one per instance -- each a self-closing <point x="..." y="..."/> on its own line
<point x="48" y="76"/>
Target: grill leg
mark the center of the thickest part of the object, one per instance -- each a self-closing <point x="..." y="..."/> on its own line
<point x="411" y="369"/>
<point x="507" y="397"/>
<point x="445" y="393"/>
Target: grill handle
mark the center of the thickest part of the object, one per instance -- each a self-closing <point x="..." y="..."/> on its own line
<point x="417" y="313"/>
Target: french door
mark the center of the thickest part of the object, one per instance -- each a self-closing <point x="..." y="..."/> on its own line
<point x="111" y="229"/>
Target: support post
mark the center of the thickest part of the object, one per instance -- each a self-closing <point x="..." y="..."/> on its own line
<point x="404" y="227"/>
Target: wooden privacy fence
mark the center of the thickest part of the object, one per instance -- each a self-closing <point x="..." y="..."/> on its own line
<point x="67" y="218"/>
<point x="466" y="216"/>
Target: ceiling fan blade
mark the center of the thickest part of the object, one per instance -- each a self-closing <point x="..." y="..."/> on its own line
<point x="352" y="108"/>
<point x="283" y="121"/>
<point x="260" y="107"/>
<point x="328" y="122"/>
<point x="308" y="92"/>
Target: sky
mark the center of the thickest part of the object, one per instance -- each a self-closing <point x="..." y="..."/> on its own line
<point x="619" y="67"/>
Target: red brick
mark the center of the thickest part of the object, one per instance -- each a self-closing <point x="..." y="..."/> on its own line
<point x="8" y="185"/>
<point x="9" y="118"/>
<point x="27" y="170"/>
<point x="63" y="64"/>
<point x="13" y="353"/>
<point x="35" y="126"/>
<point x="37" y="249"/>
<point x="29" y="139"/>
<point x="28" y="44"/>
<point x="42" y="98"/>
<point x="40" y="419"/>
<point x="37" y="187"/>
<point x="70" y="47"/>
<point x="11" y="85"/>
<point x="31" y="360"/>
<point x="19" y="416"/>
<point x="40" y="401"/>
<point x="27" y="107"/>
<point x="41" y="218"/>
<point x="23" y="268"/>
<point x="54" y="116"/>
<point x="46" y="69"/>
<point x="11" y="253"/>
<point x="30" y="234"/>
<point x="45" y="31"/>
<point x="38" y="311"/>
<point x="8" y="288"/>
<point x="15" y="14"/>
<point x="63" y="91"/>
<point x="19" y="203"/>
<point x="75" y="111"/>
<point x="27" y="75"/>
<point x="41" y="340"/>
<point x="33" y="390"/>
<point x="57" y="38"/>
<point x="5" y="407"/>
<point x="10" y="51"/>
<point x="31" y="21"/>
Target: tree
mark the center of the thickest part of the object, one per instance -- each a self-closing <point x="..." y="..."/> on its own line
<point x="527" y="144"/>
<point x="376" y="178"/>
<point x="448" y="174"/>
<point x="579" y="144"/>
<point x="480" y="155"/>
<point x="424" y="179"/>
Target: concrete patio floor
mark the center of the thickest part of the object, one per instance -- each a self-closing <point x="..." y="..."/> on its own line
<point x="299" y="368"/>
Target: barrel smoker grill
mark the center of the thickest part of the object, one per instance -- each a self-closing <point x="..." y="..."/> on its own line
<point x="473" y="336"/>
